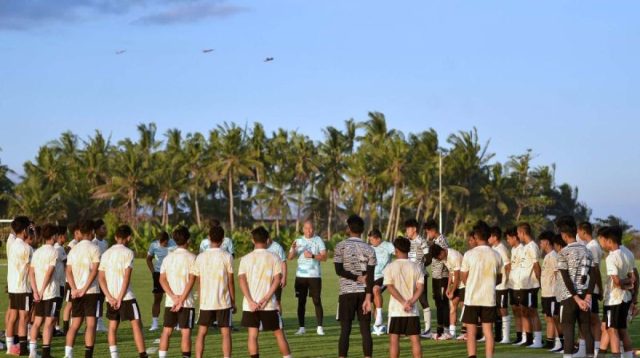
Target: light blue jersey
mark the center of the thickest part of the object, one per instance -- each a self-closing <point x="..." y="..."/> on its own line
<point x="159" y="253"/>
<point x="308" y="267"/>
<point x="278" y="250"/>
<point x="227" y="245"/>
<point x="384" y="251"/>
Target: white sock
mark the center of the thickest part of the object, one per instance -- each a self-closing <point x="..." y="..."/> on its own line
<point x="162" y="354"/>
<point x="289" y="356"/>
<point x="567" y="356"/>
<point x="68" y="351"/>
<point x="537" y="337"/>
<point x="558" y="343"/>
<point x="154" y="321"/>
<point x="114" y="351"/>
<point x="33" y="346"/>
<point x="452" y="330"/>
<point x="378" y="317"/>
<point x="506" y="327"/>
<point x="427" y="318"/>
<point x="9" y="341"/>
<point x="596" y="346"/>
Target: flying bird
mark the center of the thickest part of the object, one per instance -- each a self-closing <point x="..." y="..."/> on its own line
<point x="268" y="59"/>
<point x="207" y="50"/>
<point x="120" y="52"/>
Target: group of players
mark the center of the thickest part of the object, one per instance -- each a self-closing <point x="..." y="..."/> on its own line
<point x="87" y="273"/>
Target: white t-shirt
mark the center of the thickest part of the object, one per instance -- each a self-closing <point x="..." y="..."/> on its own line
<point x="596" y="252"/>
<point x="103" y="245"/>
<point x="308" y="267"/>
<point x="177" y="267"/>
<point x="405" y="276"/>
<point x="502" y="250"/>
<point x="530" y="256"/>
<point x="548" y="275"/>
<point x="620" y="264"/>
<point x="516" y="263"/>
<point x="10" y="240"/>
<point x="18" y="259"/>
<point x="114" y="263"/>
<point x="453" y="264"/>
<point x="213" y="268"/>
<point x="260" y="267"/>
<point x="60" y="275"/>
<point x="44" y="258"/>
<point x="159" y="252"/>
<point x="483" y="265"/>
<point x="81" y="257"/>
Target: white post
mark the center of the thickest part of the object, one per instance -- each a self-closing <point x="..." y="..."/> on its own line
<point x="440" y="192"/>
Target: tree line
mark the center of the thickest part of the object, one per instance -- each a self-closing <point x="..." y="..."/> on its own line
<point x="244" y="175"/>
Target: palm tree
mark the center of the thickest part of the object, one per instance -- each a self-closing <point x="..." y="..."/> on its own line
<point x="195" y="153"/>
<point x="334" y="153"/>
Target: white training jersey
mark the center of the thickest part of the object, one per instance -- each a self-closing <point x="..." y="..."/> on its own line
<point x="81" y="257"/>
<point x="103" y="244"/>
<point x="453" y="263"/>
<point x="18" y="259"/>
<point x="620" y="264"/>
<point x="502" y="250"/>
<point x="43" y="259"/>
<point x="177" y="268"/>
<point x="260" y="267"/>
<point x="516" y="265"/>
<point x="213" y="267"/>
<point x="548" y="275"/>
<point x="597" y="253"/>
<point x="60" y="275"/>
<point x="405" y="276"/>
<point x="483" y="265"/>
<point x="114" y="263"/>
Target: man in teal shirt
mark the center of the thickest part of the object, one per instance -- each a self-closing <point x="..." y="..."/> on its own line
<point x="384" y="251"/>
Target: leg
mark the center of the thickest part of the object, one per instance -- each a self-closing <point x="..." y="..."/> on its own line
<point x="155" y="309"/>
<point x="302" y="290"/>
<point x="10" y="322"/>
<point x="377" y="301"/>
<point x="453" y="312"/>
<point x="614" y="339"/>
<point x="316" y="295"/>
<point x="394" y="345"/>
<point x="604" y="337"/>
<point x="345" y="332"/>
<point x="136" y="327"/>
<point x="626" y="339"/>
<point x="35" y="329"/>
<point x="252" y="341"/>
<point x="200" y="338"/>
<point x="225" y="332"/>
<point x="90" y="332"/>
<point x="416" y="346"/>
<point x="112" y="335"/>
<point x="24" y="318"/>
<point x="584" y="320"/>
<point x="487" y="329"/>
<point x="66" y="316"/>
<point x="165" y="338"/>
<point x="365" y="333"/>
<point x="568" y="317"/>
<point x="471" y="341"/>
<point x="283" y="345"/>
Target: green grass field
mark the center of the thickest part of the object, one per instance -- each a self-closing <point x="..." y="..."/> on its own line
<point x="309" y="345"/>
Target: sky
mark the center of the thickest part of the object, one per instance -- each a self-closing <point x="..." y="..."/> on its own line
<point x="558" y="77"/>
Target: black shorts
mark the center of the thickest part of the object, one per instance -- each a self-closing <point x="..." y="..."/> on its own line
<point x="550" y="307"/>
<point x="616" y="316"/>
<point x="570" y="313"/>
<point x="268" y="320"/>
<point x="502" y="298"/>
<point x="279" y="294"/>
<point x="526" y="298"/>
<point x="184" y="318"/>
<point x="223" y="317"/>
<point x="20" y="301"/>
<point x="595" y="307"/>
<point x="85" y="306"/>
<point x="311" y="286"/>
<point x="404" y="326"/>
<point x="157" y="287"/>
<point x="459" y="293"/>
<point x="514" y="297"/>
<point x="350" y="306"/>
<point x="379" y="282"/>
<point x="475" y="314"/>
<point x="46" y="308"/>
<point x="128" y="311"/>
<point x="60" y="300"/>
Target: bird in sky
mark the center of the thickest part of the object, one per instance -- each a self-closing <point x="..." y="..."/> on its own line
<point x="268" y="59"/>
<point x="207" y="50"/>
<point x="120" y="52"/>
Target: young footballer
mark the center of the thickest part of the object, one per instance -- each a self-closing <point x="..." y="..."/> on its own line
<point x="82" y="272"/>
<point x="260" y="274"/>
<point x="405" y="281"/>
<point x="214" y="271"/>
<point x="355" y="263"/>
<point x="45" y="291"/>
<point x="177" y="280"/>
<point x="529" y="277"/>
<point x="503" y="321"/>
<point x="276" y="248"/>
<point x="20" y="300"/>
<point x="439" y="276"/>
<point x="100" y="240"/>
<point x="550" y="307"/>
<point x="60" y="277"/>
<point x="455" y="287"/>
<point x="419" y="254"/>
<point x="480" y="270"/>
<point x="115" y="271"/>
<point x="384" y="251"/>
<point x="514" y="284"/>
<point x="66" y="314"/>
<point x="158" y="250"/>
<point x="585" y="234"/>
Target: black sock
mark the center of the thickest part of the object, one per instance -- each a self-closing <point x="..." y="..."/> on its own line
<point x="602" y="351"/>
<point x="518" y="337"/>
<point x="529" y="338"/>
<point x="440" y="330"/>
<point x="24" y="347"/>
<point x="472" y="356"/>
<point x="186" y="354"/>
<point x="46" y="351"/>
<point x="550" y="343"/>
<point x="255" y="356"/>
<point x="143" y="355"/>
<point x="88" y="352"/>
<point x="65" y="326"/>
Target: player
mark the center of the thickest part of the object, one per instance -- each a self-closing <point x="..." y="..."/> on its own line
<point x="384" y="251"/>
<point x="158" y="250"/>
<point x="276" y="248"/>
<point x="550" y="307"/>
<point x="455" y="288"/>
<point x="419" y="253"/>
<point x="503" y="320"/>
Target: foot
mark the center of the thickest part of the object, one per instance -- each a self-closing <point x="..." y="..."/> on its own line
<point x="14" y="350"/>
<point x="58" y="333"/>
<point x="320" y="331"/>
<point x="536" y="345"/>
<point x="379" y="330"/>
<point x="557" y="349"/>
<point x="481" y="339"/>
<point x="154" y="327"/>
<point x="300" y="331"/>
<point x="426" y="334"/>
<point x="445" y="336"/>
<point x="462" y="337"/>
<point x="505" y="340"/>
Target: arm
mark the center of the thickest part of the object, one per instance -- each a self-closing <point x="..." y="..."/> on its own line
<point x="464" y="276"/>
<point x="275" y="283"/>
<point x="232" y="292"/>
<point x="92" y="276"/>
<point x="340" y="271"/>
<point x="283" y="282"/>
<point x="634" y="293"/>
<point x="102" y="280"/>
<point x="34" y="286"/>
<point x="537" y="270"/>
<point x="150" y="263"/>
<point x="167" y="288"/>
<point x="71" y="281"/>
<point x="244" y="287"/>
<point x="47" y="279"/>
<point x="507" y="270"/>
<point x="395" y="294"/>
<point x="125" y="284"/>
<point x="322" y="256"/>
<point x="292" y="250"/>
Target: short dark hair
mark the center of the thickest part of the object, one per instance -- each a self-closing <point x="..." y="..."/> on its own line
<point x="123" y="231"/>
<point x="512" y="231"/>
<point x="586" y="226"/>
<point x="430" y="225"/>
<point x="496" y="231"/>
<point x="436" y="250"/>
<point x="20" y="224"/>
<point x="546" y="235"/>
<point x="481" y="231"/>
<point x="62" y="230"/>
<point x="603" y="231"/>
<point x="411" y="223"/>
<point x="260" y="235"/>
<point x="181" y="235"/>
<point x="75" y="227"/>
<point x="216" y="234"/>
<point x="614" y="233"/>
<point x="355" y="224"/>
<point x="557" y="240"/>
<point x="49" y="231"/>
<point x="526" y="227"/>
<point x="567" y="225"/>
<point x="402" y="244"/>
<point x="163" y="236"/>
<point x="375" y="233"/>
<point x="98" y="224"/>
<point x="86" y="227"/>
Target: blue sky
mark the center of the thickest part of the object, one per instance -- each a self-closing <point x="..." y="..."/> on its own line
<point x="559" y="77"/>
